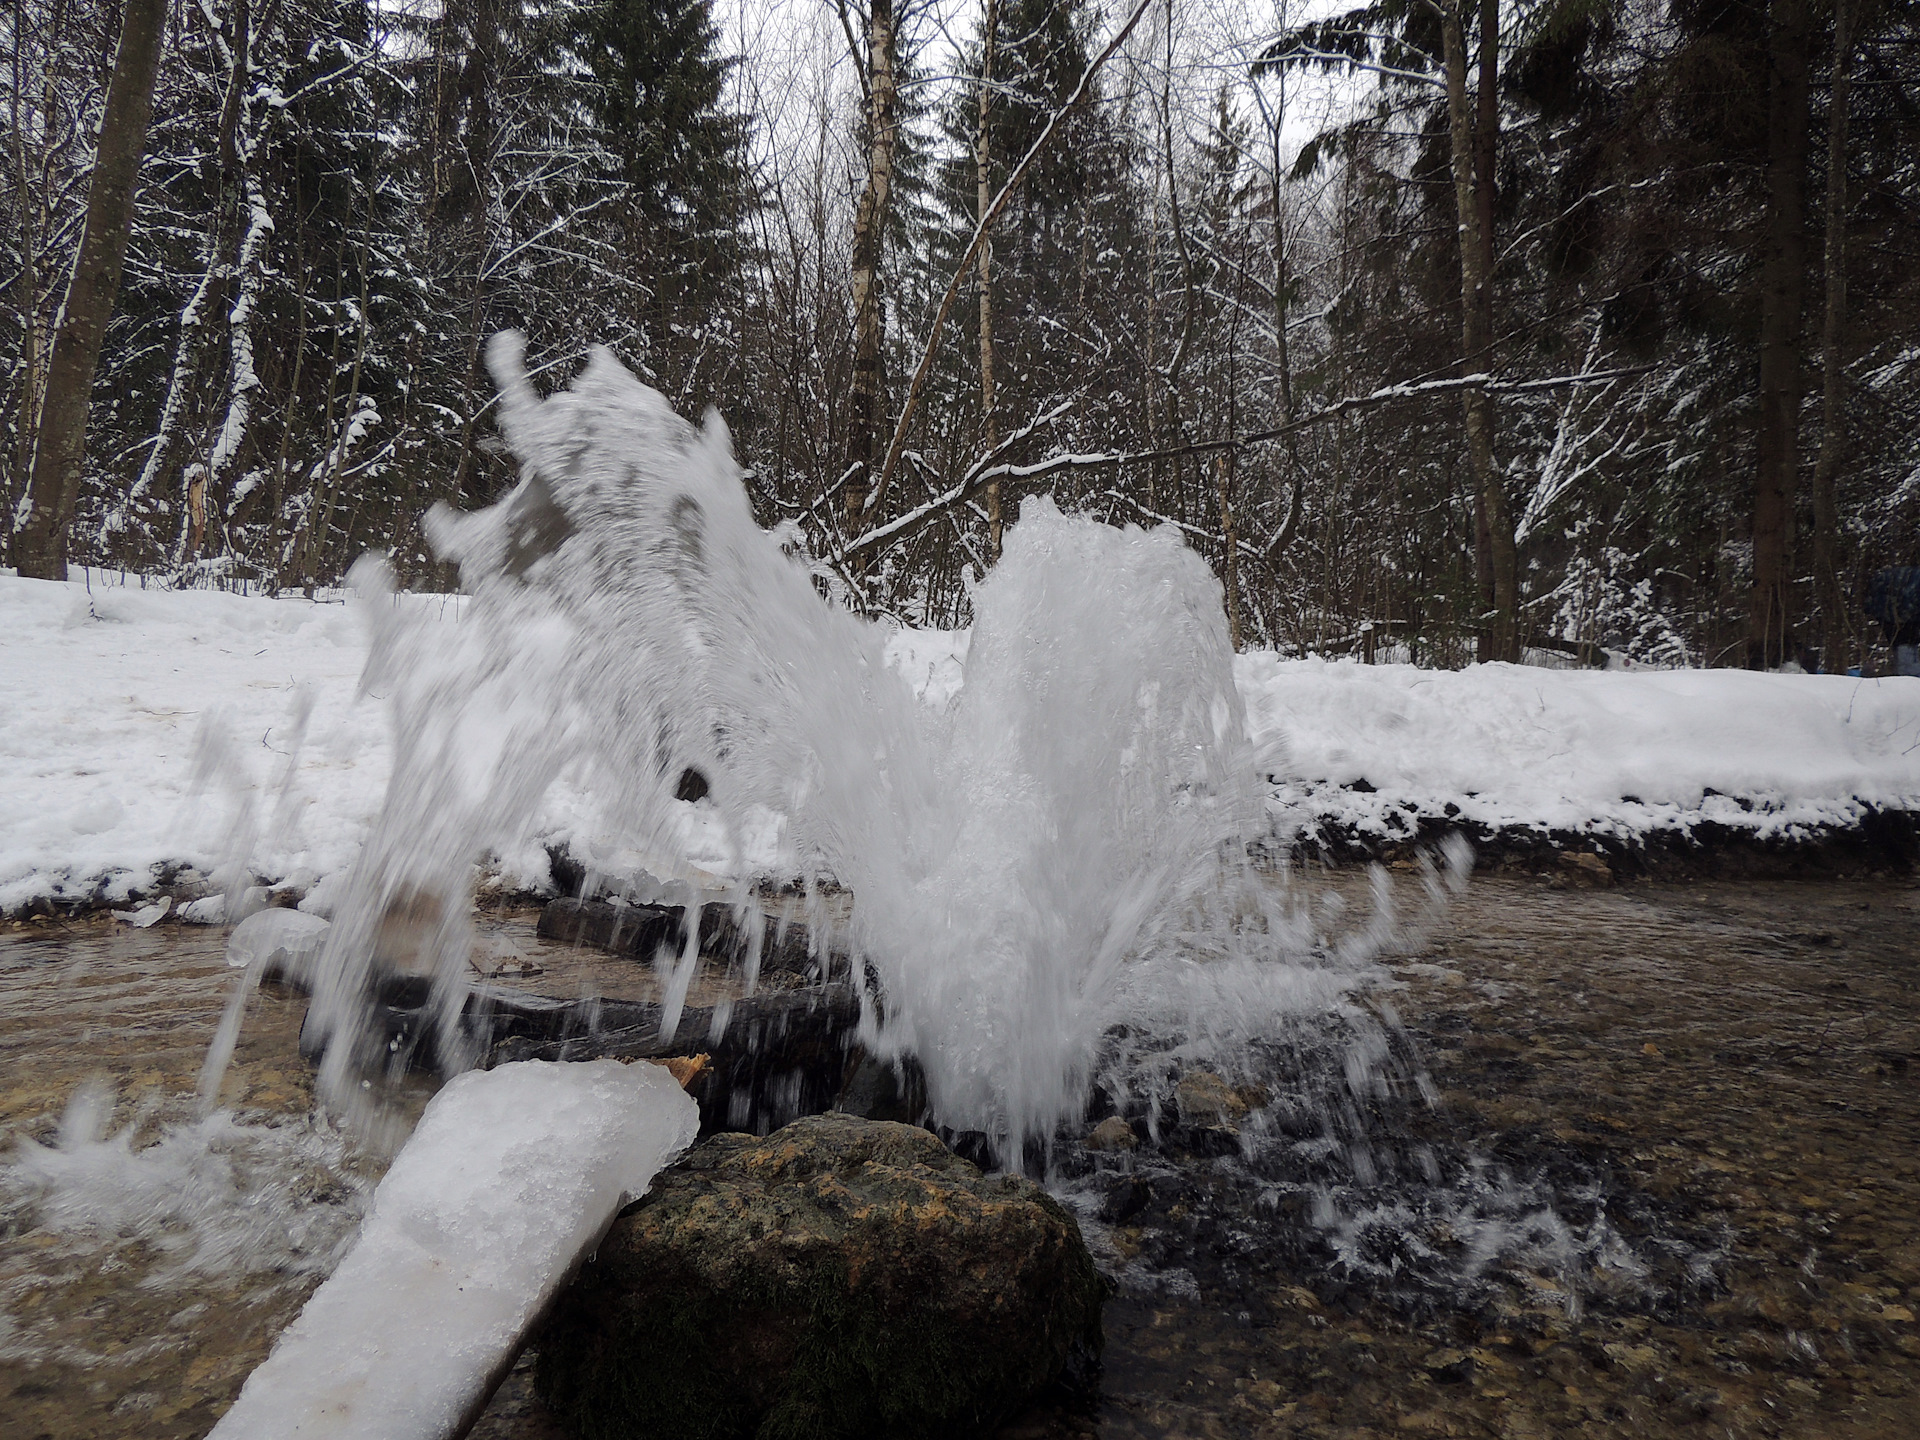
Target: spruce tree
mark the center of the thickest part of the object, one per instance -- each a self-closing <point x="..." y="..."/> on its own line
<point x="1066" y="243"/>
<point x="657" y="97"/>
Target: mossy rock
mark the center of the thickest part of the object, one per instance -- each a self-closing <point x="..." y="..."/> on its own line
<point x="839" y="1278"/>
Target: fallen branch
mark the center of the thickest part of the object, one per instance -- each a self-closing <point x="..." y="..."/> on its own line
<point x="982" y="474"/>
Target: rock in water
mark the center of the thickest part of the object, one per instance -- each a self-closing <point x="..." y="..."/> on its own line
<point x="839" y="1278"/>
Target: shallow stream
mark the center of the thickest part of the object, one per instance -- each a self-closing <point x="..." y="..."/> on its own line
<point x="1726" y="1074"/>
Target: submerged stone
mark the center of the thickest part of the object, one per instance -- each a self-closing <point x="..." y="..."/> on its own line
<point x="1207" y="1100"/>
<point x="1112" y="1133"/>
<point x="839" y="1278"/>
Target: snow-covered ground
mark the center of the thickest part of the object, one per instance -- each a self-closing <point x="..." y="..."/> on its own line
<point x="105" y="689"/>
<point x="1610" y="753"/>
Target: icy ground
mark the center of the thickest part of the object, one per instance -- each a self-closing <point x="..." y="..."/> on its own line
<point x="105" y="689"/>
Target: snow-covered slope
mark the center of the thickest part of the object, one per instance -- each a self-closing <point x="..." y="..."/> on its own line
<point x="104" y="690"/>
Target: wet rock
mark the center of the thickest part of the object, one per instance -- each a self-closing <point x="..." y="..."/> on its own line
<point x="640" y="930"/>
<point x="1448" y="1366"/>
<point x="1586" y="868"/>
<point x="1112" y="1133"/>
<point x="1209" y="1111"/>
<point x="1882" y="842"/>
<point x="1206" y="1099"/>
<point x="877" y="1089"/>
<point x="841" y="1277"/>
<point x="1207" y="1141"/>
<point x="624" y="929"/>
<point x="1126" y="1197"/>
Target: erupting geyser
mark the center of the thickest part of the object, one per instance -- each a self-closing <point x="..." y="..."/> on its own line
<point x="1061" y="850"/>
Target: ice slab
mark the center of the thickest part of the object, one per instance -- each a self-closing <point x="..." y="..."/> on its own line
<point x="511" y="1177"/>
<point x="287" y="935"/>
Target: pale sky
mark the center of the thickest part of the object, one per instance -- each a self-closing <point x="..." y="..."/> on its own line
<point x="799" y="84"/>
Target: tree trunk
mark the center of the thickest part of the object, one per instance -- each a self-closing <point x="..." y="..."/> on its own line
<point x="1777" y="461"/>
<point x="244" y="380"/>
<point x="1473" y="137"/>
<point x="40" y="544"/>
<point x="30" y="212"/>
<point x="1281" y="280"/>
<point x="185" y="359"/>
<point x="327" y="483"/>
<point x="1275" y="120"/>
<point x="983" y="157"/>
<point x="1835" y="637"/>
<point x="1176" y="363"/>
<point x="869" y="231"/>
<point x="1223" y="473"/>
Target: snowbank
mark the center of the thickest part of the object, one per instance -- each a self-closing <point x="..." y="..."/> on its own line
<point x="105" y="691"/>
<point x="1372" y="748"/>
<point x="106" y="687"/>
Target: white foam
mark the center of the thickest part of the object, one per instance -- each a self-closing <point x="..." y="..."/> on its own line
<point x="211" y="1196"/>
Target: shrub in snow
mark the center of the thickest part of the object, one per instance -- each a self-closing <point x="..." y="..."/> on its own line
<point x="1600" y="604"/>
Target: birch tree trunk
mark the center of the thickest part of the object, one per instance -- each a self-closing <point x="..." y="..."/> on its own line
<point x="1782" y="281"/>
<point x="869" y="231"/>
<point x="40" y="543"/>
<point x="244" y="379"/>
<point x="982" y="159"/>
<point x="240" y="143"/>
<point x="1835" y="637"/>
<point x="179" y="384"/>
<point x="1275" y="121"/>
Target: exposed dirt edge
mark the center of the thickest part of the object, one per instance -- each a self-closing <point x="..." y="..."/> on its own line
<point x="1884" y="842"/>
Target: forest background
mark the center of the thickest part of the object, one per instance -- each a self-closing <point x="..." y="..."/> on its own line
<point x="1443" y="329"/>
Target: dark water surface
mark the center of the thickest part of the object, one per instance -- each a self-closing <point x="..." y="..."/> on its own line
<point x="1731" y="1069"/>
<point x="1725" y="1077"/>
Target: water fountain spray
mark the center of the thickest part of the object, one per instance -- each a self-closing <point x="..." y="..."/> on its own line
<point x="1056" y="854"/>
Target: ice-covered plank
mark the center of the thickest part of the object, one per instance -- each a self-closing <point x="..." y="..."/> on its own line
<point x="512" y="1175"/>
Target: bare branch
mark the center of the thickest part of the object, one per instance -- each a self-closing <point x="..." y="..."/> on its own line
<point x="982" y="473"/>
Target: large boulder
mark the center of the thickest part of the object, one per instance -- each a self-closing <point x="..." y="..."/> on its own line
<point x="839" y="1278"/>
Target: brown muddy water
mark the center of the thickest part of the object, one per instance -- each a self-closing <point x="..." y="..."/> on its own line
<point x="1727" y="1073"/>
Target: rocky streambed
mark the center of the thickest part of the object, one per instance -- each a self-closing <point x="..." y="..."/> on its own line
<point x="1661" y="1178"/>
<point x="1703" y="1099"/>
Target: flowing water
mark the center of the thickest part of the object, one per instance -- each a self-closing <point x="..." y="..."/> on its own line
<point x="1758" y="1165"/>
<point x="1051" y="896"/>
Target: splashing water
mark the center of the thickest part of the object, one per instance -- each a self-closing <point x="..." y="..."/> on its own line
<point x="1061" y="852"/>
<point x="208" y="1196"/>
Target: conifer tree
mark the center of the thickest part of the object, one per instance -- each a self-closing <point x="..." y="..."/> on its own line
<point x="658" y="99"/>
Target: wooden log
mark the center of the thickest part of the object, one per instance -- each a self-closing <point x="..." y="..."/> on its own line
<point x="770" y="1057"/>
<point x="639" y="930"/>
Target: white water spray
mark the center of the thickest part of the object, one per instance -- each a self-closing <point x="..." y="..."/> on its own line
<point x="1052" y="856"/>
